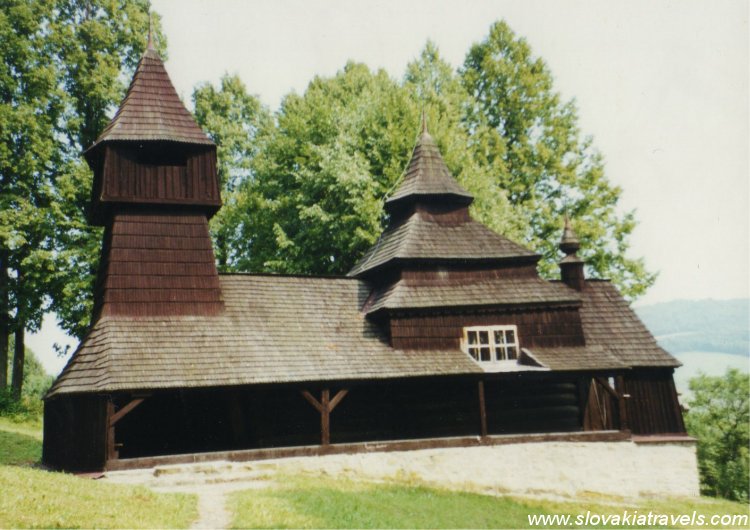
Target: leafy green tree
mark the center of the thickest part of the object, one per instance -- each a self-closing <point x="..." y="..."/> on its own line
<point x="719" y="417"/>
<point x="239" y="124"/>
<point x="62" y="74"/>
<point x="315" y="204"/>
<point x="547" y="168"/>
<point x="432" y="82"/>
<point x="30" y="106"/>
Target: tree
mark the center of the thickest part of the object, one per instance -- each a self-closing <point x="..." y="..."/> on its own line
<point x="315" y="204"/>
<point x="238" y="123"/>
<point x="30" y="106"/>
<point x="719" y="417"/>
<point x="547" y="169"/>
<point x="62" y="75"/>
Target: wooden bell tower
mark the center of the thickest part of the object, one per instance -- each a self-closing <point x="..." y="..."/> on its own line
<point x="155" y="188"/>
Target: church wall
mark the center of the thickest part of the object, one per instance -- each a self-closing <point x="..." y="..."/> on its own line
<point x="547" y="327"/>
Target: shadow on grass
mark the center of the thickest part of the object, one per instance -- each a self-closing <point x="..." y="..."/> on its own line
<point x="19" y="449"/>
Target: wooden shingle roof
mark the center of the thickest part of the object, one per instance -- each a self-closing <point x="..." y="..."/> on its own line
<point x="427" y="175"/>
<point x="486" y="292"/>
<point x="274" y="329"/>
<point x="421" y="238"/>
<point x="609" y="322"/>
<point x="152" y="110"/>
<point x="296" y="329"/>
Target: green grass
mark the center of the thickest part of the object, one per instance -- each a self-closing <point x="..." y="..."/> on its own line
<point x="20" y="442"/>
<point x="33" y="498"/>
<point x="40" y="499"/>
<point x="325" y="503"/>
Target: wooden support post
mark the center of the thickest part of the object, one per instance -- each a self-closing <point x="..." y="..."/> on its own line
<point x="112" y="419"/>
<point x="325" y="418"/>
<point x="622" y="396"/>
<point x="325" y="406"/>
<point x="482" y="409"/>
<point x="111" y="451"/>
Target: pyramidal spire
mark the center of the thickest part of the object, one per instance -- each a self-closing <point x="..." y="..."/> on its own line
<point x="427" y="175"/>
<point x="152" y="109"/>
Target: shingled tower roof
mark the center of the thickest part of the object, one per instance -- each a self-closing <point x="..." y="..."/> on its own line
<point x="430" y="221"/>
<point x="152" y="110"/>
<point x="427" y="175"/>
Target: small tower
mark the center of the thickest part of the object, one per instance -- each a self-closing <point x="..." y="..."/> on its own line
<point x="155" y="188"/>
<point x="571" y="266"/>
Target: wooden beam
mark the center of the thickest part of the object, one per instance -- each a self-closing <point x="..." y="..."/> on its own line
<point x="117" y="416"/>
<point x="325" y="418"/>
<point x="620" y="382"/>
<point x="325" y="406"/>
<point x="605" y="384"/>
<point x="111" y="450"/>
<point x="341" y="394"/>
<point x="314" y="402"/>
<point x="482" y="409"/>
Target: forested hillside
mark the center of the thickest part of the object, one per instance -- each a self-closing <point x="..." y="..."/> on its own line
<point x="700" y="325"/>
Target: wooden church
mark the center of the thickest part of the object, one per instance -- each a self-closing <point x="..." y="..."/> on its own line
<point x="442" y="335"/>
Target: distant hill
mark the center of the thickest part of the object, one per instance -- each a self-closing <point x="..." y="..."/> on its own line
<point x="700" y="325"/>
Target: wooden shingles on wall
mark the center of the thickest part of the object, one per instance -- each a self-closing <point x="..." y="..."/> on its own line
<point x="186" y="176"/>
<point x="159" y="264"/>
<point x="540" y="328"/>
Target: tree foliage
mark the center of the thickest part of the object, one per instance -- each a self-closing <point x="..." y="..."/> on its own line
<point x="31" y="104"/>
<point x="719" y="418"/>
<point x="238" y="123"/>
<point x="547" y="167"/>
<point x="65" y="65"/>
<point x="313" y="198"/>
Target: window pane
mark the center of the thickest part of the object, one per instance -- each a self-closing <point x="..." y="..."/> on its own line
<point x="484" y="337"/>
<point x="472" y="337"/>
<point x="499" y="336"/>
<point x="500" y="354"/>
<point x="473" y="352"/>
<point x="511" y="336"/>
<point x="485" y="354"/>
<point x="512" y="353"/>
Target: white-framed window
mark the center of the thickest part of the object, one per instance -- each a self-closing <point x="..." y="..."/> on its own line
<point x="491" y="344"/>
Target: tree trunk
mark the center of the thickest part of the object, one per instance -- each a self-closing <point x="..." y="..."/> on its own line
<point x="4" y="323"/>
<point x="19" y="353"/>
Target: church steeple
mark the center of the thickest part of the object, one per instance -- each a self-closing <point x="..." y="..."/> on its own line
<point x="430" y="222"/>
<point x="155" y="187"/>
<point x="427" y="178"/>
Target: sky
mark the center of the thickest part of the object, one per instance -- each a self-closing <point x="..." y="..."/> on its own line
<point x="662" y="86"/>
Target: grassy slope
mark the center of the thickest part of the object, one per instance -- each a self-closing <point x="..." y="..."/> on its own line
<point x="20" y="443"/>
<point x="36" y="498"/>
<point x="325" y="503"/>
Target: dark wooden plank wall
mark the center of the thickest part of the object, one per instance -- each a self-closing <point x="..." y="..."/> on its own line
<point x="527" y="406"/>
<point x="157" y="264"/>
<point x="130" y="175"/>
<point x="653" y="406"/>
<point x="75" y="433"/>
<point x="193" y="421"/>
<point x="536" y="328"/>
